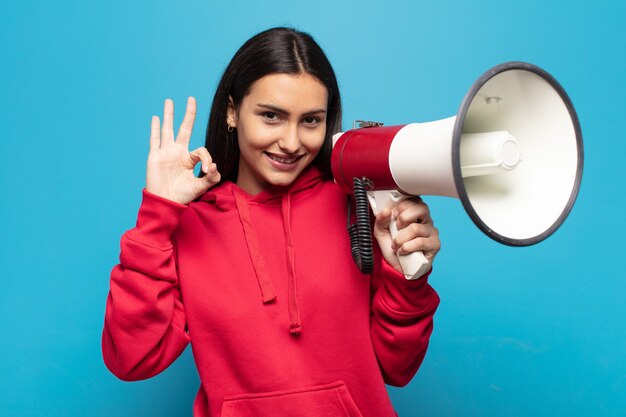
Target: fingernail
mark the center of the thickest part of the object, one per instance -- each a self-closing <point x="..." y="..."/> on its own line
<point x="394" y="214"/>
<point x="205" y="168"/>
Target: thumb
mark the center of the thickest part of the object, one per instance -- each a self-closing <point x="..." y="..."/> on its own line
<point x="381" y="225"/>
<point x="211" y="176"/>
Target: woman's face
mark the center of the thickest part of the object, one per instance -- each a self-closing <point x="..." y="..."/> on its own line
<point x="281" y="126"/>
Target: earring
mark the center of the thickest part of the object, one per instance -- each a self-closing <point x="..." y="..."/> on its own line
<point x="229" y="128"/>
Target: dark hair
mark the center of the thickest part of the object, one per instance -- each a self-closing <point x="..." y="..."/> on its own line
<point x="277" y="50"/>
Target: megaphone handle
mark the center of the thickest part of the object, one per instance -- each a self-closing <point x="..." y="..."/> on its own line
<point x="414" y="265"/>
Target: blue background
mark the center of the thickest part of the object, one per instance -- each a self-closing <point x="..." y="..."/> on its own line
<point x="537" y="331"/>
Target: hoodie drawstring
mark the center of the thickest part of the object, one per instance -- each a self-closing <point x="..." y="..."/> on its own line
<point x="254" y="249"/>
<point x="295" y="325"/>
<point x="262" y="275"/>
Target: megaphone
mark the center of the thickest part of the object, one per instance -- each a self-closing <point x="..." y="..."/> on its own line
<point x="513" y="155"/>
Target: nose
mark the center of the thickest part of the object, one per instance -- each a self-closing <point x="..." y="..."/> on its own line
<point x="289" y="141"/>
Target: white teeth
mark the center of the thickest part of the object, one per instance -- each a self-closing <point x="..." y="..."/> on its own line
<point x="283" y="160"/>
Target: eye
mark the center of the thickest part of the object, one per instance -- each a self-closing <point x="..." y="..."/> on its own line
<point x="311" y="120"/>
<point x="271" y="116"/>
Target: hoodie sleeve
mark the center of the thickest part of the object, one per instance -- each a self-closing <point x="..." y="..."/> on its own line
<point x="402" y="321"/>
<point x="144" y="326"/>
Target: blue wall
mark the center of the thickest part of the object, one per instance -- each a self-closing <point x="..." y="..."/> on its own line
<point x="535" y="331"/>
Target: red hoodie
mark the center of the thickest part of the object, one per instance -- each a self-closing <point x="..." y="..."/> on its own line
<point x="280" y="320"/>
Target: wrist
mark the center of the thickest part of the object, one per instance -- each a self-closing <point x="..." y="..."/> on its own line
<point x="164" y="193"/>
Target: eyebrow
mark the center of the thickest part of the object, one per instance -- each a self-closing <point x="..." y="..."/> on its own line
<point x="283" y="111"/>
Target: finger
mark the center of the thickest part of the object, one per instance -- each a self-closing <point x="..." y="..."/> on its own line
<point x="409" y="201"/>
<point x="186" y="127"/>
<point x="201" y="154"/>
<point x="212" y="177"/>
<point x="381" y="224"/>
<point x="155" y="133"/>
<point x="429" y="246"/>
<point x="418" y="234"/>
<point x="167" y="136"/>
<point x="409" y="211"/>
<point x="412" y="231"/>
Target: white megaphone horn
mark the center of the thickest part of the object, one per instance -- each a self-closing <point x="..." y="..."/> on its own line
<point x="513" y="155"/>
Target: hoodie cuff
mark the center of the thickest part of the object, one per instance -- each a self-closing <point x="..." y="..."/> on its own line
<point x="156" y="221"/>
<point x="405" y="297"/>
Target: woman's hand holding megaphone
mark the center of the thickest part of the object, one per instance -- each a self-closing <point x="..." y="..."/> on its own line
<point x="414" y="235"/>
<point x="170" y="164"/>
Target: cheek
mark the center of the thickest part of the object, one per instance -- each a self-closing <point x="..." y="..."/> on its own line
<point x="254" y="137"/>
<point x="314" y="140"/>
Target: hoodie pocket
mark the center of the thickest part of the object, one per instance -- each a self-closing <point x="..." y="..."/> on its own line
<point x="330" y="400"/>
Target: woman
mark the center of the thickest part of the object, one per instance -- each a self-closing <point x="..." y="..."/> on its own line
<point x="251" y="261"/>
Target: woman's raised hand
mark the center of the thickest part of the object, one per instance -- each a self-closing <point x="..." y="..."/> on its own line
<point x="170" y="164"/>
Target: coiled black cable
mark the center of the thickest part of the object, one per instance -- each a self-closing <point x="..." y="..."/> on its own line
<point x="361" y="231"/>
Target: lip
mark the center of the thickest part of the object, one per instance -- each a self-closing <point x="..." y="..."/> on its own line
<point x="283" y="166"/>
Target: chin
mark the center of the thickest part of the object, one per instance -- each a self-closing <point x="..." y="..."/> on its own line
<point x="284" y="179"/>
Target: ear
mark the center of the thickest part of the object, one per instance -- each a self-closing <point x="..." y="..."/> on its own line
<point x="231" y="114"/>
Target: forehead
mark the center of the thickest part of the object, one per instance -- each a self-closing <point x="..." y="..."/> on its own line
<point x="290" y="91"/>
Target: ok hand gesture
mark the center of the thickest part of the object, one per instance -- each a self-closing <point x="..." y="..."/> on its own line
<point x="170" y="164"/>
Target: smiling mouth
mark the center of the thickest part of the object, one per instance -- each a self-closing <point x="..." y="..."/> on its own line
<point x="284" y="159"/>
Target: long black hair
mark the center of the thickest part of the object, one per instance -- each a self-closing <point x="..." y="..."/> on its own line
<point x="278" y="50"/>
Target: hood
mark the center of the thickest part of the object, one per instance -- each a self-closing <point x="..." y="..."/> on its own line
<point x="223" y="195"/>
